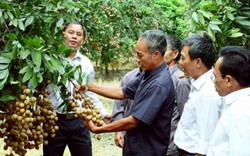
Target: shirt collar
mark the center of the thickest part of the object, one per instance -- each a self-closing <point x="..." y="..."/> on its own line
<point x="156" y="70"/>
<point x="78" y="55"/>
<point x="196" y="84"/>
<point x="173" y="69"/>
<point x="230" y="98"/>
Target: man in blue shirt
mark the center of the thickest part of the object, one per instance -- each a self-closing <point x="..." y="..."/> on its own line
<point x="148" y="126"/>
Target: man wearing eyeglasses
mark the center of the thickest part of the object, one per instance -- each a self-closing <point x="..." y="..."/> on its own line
<point x="232" y="81"/>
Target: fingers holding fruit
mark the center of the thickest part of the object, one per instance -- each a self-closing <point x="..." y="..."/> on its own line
<point x="83" y="87"/>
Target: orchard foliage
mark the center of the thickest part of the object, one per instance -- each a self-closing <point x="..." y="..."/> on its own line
<point x="31" y="44"/>
<point x="226" y="21"/>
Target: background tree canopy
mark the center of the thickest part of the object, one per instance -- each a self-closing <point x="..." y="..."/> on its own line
<point x="226" y="21"/>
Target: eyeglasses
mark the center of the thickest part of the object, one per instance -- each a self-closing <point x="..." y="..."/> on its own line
<point x="213" y="77"/>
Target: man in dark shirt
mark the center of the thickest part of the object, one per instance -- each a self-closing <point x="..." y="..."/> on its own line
<point x="148" y="126"/>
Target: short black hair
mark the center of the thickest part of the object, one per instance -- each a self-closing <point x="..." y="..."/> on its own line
<point x="201" y="46"/>
<point x="156" y="40"/>
<point x="236" y="62"/>
<point x="174" y="43"/>
<point x="76" y="22"/>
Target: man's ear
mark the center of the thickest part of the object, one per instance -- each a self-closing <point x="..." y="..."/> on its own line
<point x="199" y="62"/>
<point x="156" y="54"/>
<point x="175" y="54"/>
<point x="63" y="34"/>
<point x="229" y="79"/>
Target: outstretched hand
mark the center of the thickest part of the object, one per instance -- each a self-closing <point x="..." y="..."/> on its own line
<point x="89" y="124"/>
<point x="81" y="88"/>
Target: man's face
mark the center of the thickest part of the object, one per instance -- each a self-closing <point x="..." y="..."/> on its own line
<point x="188" y="65"/>
<point x="73" y="36"/>
<point x="219" y="82"/>
<point x="143" y="57"/>
<point x="169" y="55"/>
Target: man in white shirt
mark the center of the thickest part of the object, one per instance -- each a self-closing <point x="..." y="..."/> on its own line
<point x="201" y="111"/>
<point x="72" y="132"/>
<point x="232" y="81"/>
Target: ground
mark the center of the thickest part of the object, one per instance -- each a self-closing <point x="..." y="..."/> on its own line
<point x="103" y="147"/>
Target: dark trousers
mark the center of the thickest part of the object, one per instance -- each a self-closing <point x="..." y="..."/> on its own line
<point x="73" y="133"/>
<point x="184" y="153"/>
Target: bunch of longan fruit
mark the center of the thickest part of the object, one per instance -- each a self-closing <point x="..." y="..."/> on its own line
<point x="28" y="121"/>
<point x="88" y="108"/>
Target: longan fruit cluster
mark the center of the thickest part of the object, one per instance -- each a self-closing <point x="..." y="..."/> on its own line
<point x="88" y="109"/>
<point x="28" y="122"/>
<point x="92" y="112"/>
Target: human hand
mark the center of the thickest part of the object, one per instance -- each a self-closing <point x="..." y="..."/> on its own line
<point x="89" y="124"/>
<point x="84" y="87"/>
<point x="119" y="139"/>
<point x="81" y="88"/>
<point x="107" y="119"/>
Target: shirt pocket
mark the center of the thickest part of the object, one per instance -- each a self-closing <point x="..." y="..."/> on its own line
<point x="188" y="116"/>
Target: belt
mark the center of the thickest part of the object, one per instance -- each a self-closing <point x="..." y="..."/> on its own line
<point x="68" y="116"/>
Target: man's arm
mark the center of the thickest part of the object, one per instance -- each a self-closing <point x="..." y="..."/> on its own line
<point x="106" y="91"/>
<point x="119" y="125"/>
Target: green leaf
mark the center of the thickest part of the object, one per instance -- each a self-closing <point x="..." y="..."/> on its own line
<point x="24" y="53"/>
<point x="24" y="70"/>
<point x="4" y="73"/>
<point x="29" y="73"/>
<point x="244" y="22"/>
<point x="36" y="69"/>
<point x="56" y="63"/>
<point x="28" y="21"/>
<point x="214" y="27"/>
<point x="76" y="75"/>
<point x="7" y="98"/>
<point x="20" y="24"/>
<point x="10" y="15"/>
<point x="34" y="81"/>
<point x="4" y="66"/>
<point x="67" y="52"/>
<point x="193" y="25"/>
<point x="60" y="22"/>
<point x="11" y="36"/>
<point x="2" y="82"/>
<point x="64" y="79"/>
<point x="231" y="9"/>
<point x="211" y="33"/>
<point x="201" y="18"/>
<point x="37" y="42"/>
<point x="36" y="58"/>
<point x="206" y="14"/>
<point x="14" y="82"/>
<point x="39" y="77"/>
<point x="235" y="35"/>
<point x="217" y="22"/>
<point x="230" y="15"/>
<point x="195" y="17"/>
<point x="63" y="103"/>
<point x="4" y="60"/>
<point x="65" y="108"/>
